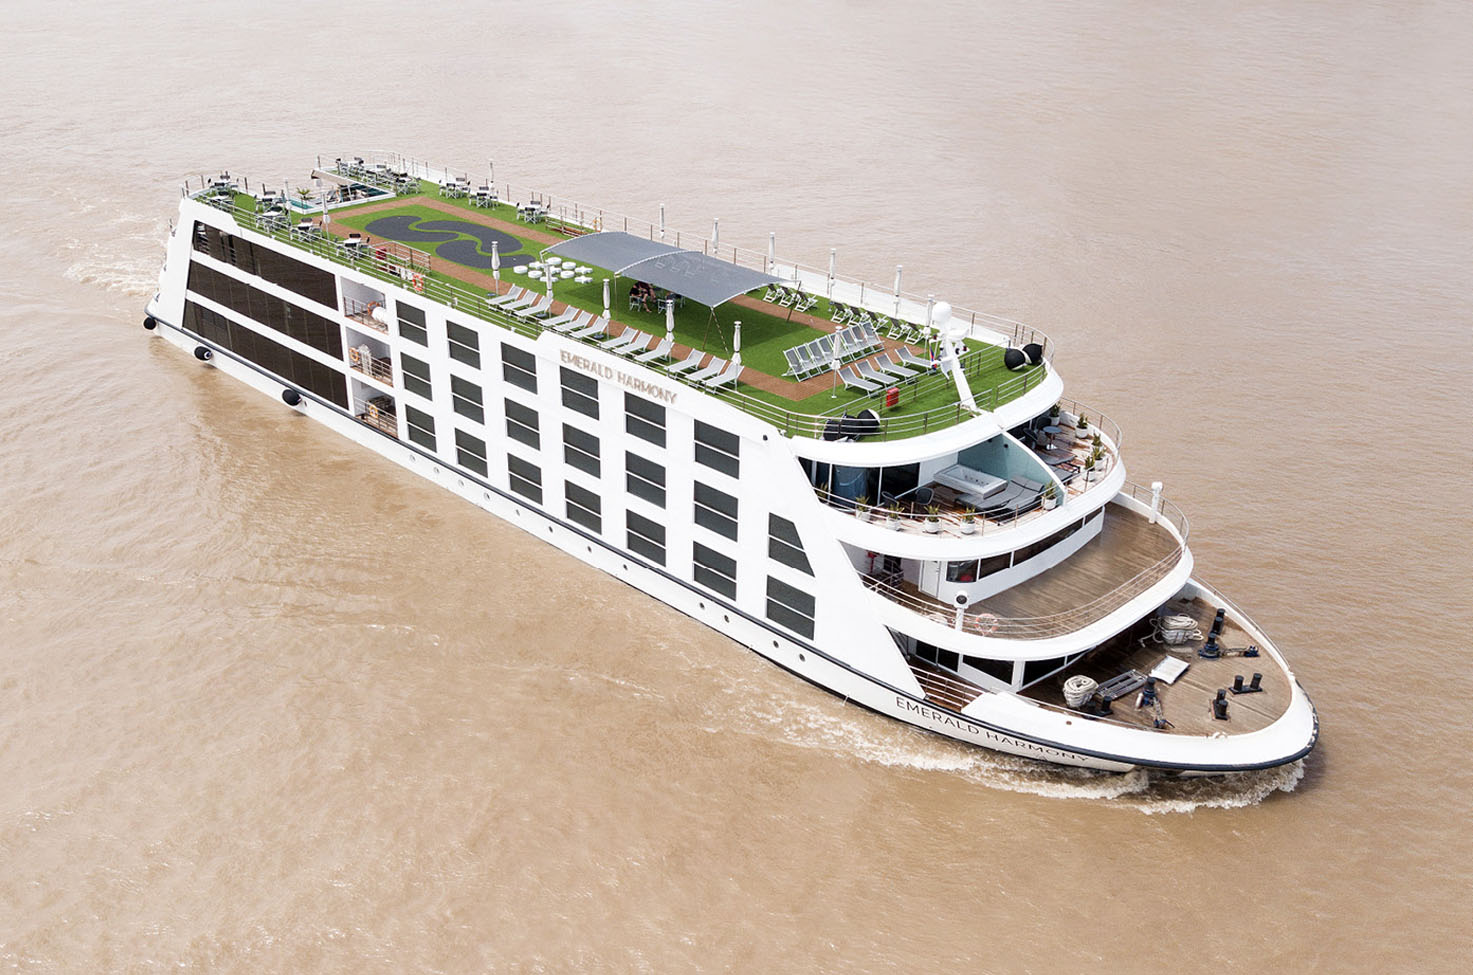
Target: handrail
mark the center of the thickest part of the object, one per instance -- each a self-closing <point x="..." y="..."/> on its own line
<point x="410" y="267"/>
<point x="1096" y="419"/>
<point x="980" y="622"/>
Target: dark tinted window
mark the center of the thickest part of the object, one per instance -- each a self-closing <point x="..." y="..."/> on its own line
<point x="291" y="366"/>
<point x="519" y="368"/>
<point x="465" y="345"/>
<point x="421" y="427"/>
<point x="416" y="375"/>
<point x="713" y="570"/>
<point x="646" y="537"/>
<point x="465" y="398"/>
<point x="524" y="478"/>
<point x="645" y="479"/>
<point x="716" y="510"/>
<point x="583" y="506"/>
<point x="790" y="607"/>
<point x="521" y="424"/>
<point x="783" y="545"/>
<point x="580" y="392"/>
<point x="644" y="419"/>
<point x="717" y="448"/>
<point x="580" y="450"/>
<point x="470" y="452"/>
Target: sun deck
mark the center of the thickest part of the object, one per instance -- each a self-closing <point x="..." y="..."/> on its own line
<point x="455" y="269"/>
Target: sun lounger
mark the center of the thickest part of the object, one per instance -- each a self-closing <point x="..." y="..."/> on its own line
<point x="516" y="294"/>
<point x="727" y="377"/>
<point x="909" y="358"/>
<point x="661" y="351"/>
<point x="885" y="364"/>
<point x="595" y="327"/>
<point x="690" y="362"/>
<point x="632" y="347"/>
<point x="712" y="368"/>
<point x="566" y="318"/>
<point x="541" y="307"/>
<point x="579" y="319"/>
<point x="627" y="337"/>
<point x="528" y="300"/>
<point x="867" y="372"/>
<point x="852" y="381"/>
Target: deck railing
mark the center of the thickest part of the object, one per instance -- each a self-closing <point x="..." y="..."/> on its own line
<point x="589" y="217"/>
<point x="979" y="622"/>
<point x="409" y="267"/>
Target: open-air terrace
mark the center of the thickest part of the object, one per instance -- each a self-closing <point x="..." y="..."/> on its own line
<point x="440" y="240"/>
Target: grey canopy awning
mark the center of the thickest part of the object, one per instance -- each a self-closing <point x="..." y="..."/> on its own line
<point x="702" y="279"/>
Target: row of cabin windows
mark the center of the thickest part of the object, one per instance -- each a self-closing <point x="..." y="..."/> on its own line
<point x="312" y="283"/>
<point x="970" y="570"/>
<point x="299" y="370"/>
<point x="1001" y="670"/>
<point x="275" y="313"/>
<point x="786" y="604"/>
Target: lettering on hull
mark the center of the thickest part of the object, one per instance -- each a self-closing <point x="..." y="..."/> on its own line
<point x="905" y="705"/>
<point x="629" y="381"/>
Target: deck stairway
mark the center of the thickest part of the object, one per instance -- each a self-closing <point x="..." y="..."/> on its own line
<point x="943" y="688"/>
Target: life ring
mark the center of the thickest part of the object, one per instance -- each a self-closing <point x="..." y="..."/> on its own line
<point x="418" y="281"/>
<point x="984" y="624"/>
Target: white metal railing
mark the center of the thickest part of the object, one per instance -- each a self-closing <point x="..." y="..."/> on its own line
<point x="979" y="622"/>
<point x="362" y="313"/>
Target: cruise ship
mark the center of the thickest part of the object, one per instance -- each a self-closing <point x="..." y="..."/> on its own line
<point x="887" y="496"/>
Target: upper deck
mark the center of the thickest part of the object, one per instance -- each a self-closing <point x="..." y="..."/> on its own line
<point x="406" y="224"/>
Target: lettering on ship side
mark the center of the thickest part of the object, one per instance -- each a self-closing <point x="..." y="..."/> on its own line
<point x="941" y="718"/>
<point x="633" y="383"/>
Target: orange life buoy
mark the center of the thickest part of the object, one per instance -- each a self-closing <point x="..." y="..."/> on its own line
<point x="418" y="280"/>
<point x="984" y="624"/>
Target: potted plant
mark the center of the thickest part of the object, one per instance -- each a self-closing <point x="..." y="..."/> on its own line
<point x="933" y="518"/>
<point x="1089" y="469"/>
<point x="1082" y="426"/>
<point x="1053" y="415"/>
<point x="1098" y="441"/>
<point x="861" y="507"/>
<point x="1050" y="497"/>
<point x="892" y="517"/>
<point x="969" y="521"/>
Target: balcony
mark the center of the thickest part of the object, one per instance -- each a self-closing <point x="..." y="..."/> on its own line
<point x="1130" y="555"/>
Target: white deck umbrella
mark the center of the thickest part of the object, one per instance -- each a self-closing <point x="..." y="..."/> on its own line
<point x="771" y="252"/>
<point x="496" y="263"/>
<point x="897" y="291"/>
<point x="606" y="298"/>
<point x="669" y="317"/>
<point x="715" y="235"/>
<point x="736" y="343"/>
<point x="833" y="253"/>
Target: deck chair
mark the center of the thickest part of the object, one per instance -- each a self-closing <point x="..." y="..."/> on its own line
<point x="871" y="337"/>
<point x="688" y="363"/>
<point x="805" y="301"/>
<point x="528" y="299"/>
<point x="789" y="297"/>
<point x="712" y="368"/>
<point x="884" y="363"/>
<point x="795" y="367"/>
<point x="517" y="293"/>
<point x="632" y="347"/>
<point x="838" y="312"/>
<point x="541" y="306"/>
<point x="810" y="363"/>
<point x="909" y="358"/>
<point x="867" y="372"/>
<point x="661" y="351"/>
<point x="579" y="319"/>
<point x="852" y="381"/>
<point x="566" y="318"/>
<point x="626" y="337"/>
<point x="771" y="293"/>
<point x="595" y="327"/>
<point x="727" y="377"/>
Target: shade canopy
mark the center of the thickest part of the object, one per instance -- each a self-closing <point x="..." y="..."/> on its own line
<point x="702" y="279"/>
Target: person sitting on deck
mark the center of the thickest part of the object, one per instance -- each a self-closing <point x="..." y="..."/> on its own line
<point x="641" y="294"/>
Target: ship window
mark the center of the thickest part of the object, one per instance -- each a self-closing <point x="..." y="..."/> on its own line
<point x="470" y="451"/>
<point x="465" y="345"/>
<point x="1034" y="670"/>
<point x="714" y="570"/>
<point x="580" y="450"/>
<point x="645" y="479"/>
<point x="465" y="397"/>
<point x="311" y="283"/>
<point x="716" y="510"/>
<point x="412" y="324"/>
<point x="783" y="544"/>
<point x="965" y="571"/>
<point x="300" y="370"/>
<point x="416" y="375"/>
<point x="421" y="427"/>
<point x="524" y="478"/>
<point x="519" y="368"/>
<point x="717" y="449"/>
<point x="521" y="424"/>
<point x="583" y="506"/>
<point x="646" y="537"/>
<point x="644" y="419"/>
<point x="999" y="669"/>
<point x="790" y="607"/>
<point x="580" y="392"/>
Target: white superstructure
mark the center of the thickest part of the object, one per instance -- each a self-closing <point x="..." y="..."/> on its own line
<point x="964" y="624"/>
